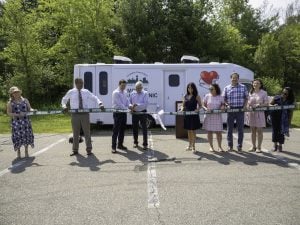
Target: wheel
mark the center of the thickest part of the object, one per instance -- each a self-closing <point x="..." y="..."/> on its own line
<point x="150" y="122"/>
<point x="268" y="119"/>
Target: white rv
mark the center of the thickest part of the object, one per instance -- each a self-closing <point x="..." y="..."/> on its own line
<point x="165" y="83"/>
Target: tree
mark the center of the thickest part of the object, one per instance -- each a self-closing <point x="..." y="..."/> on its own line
<point x="22" y="51"/>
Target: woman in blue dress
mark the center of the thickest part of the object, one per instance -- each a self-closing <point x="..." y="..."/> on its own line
<point x="22" y="134"/>
<point x="281" y="119"/>
<point x="191" y="102"/>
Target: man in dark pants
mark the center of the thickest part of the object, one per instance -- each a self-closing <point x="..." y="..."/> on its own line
<point x="139" y="102"/>
<point x="235" y="97"/>
<point x="119" y="101"/>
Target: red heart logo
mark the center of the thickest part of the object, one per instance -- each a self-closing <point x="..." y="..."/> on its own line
<point x="208" y="77"/>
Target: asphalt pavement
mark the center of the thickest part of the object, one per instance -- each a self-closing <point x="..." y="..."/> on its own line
<point x="164" y="185"/>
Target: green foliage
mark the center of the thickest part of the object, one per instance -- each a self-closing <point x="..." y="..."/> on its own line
<point x="41" y="40"/>
<point x="272" y="85"/>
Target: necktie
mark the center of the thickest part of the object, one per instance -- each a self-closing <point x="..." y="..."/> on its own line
<point x="80" y="99"/>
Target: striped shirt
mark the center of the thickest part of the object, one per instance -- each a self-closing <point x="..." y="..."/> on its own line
<point x="235" y="96"/>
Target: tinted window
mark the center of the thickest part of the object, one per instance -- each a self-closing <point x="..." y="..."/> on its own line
<point x="173" y="80"/>
<point x="103" y="87"/>
<point x="88" y="81"/>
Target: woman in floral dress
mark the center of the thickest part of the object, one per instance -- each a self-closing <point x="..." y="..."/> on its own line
<point x="22" y="134"/>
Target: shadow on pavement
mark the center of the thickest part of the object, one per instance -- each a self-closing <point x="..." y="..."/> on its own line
<point x="20" y="165"/>
<point x="144" y="155"/>
<point x="91" y="162"/>
<point x="247" y="158"/>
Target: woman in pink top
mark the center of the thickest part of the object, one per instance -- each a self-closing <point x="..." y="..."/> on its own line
<point x="257" y="121"/>
<point x="213" y="122"/>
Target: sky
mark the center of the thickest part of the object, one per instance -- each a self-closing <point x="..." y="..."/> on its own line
<point x="275" y="3"/>
<point x="278" y="5"/>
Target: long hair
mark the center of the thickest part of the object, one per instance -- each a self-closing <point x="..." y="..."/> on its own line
<point x="290" y="97"/>
<point x="261" y="85"/>
<point x="193" y="86"/>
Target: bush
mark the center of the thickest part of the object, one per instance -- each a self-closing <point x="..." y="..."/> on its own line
<point x="272" y="85"/>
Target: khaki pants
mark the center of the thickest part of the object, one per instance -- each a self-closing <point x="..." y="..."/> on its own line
<point x="81" y="120"/>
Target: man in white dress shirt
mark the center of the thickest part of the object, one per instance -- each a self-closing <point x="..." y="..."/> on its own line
<point x="119" y="101"/>
<point x="139" y="102"/>
<point x="80" y="98"/>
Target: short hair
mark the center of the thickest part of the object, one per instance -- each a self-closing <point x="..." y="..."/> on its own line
<point x="122" y="82"/>
<point x="139" y="83"/>
<point x="235" y="74"/>
<point x="78" y="79"/>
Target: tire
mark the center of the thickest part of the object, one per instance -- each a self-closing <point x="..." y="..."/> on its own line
<point x="268" y="119"/>
<point x="150" y="122"/>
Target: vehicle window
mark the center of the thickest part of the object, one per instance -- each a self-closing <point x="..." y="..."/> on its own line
<point x="88" y="81"/>
<point x="174" y="80"/>
<point x="248" y="86"/>
<point x="103" y="87"/>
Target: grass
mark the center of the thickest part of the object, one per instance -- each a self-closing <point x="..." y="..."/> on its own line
<point x="296" y="119"/>
<point x="41" y="124"/>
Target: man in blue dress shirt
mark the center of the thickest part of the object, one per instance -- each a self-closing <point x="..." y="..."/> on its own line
<point x="119" y="101"/>
<point x="139" y="103"/>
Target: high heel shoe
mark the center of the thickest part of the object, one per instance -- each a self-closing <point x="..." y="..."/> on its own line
<point x="189" y="148"/>
<point x="275" y="148"/>
<point x="194" y="149"/>
<point x="211" y="149"/>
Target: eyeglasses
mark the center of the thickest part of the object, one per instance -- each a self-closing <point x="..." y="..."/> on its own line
<point x="211" y="89"/>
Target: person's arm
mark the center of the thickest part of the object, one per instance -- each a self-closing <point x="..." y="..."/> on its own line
<point x="222" y="107"/>
<point x="246" y="97"/>
<point x="265" y="99"/>
<point x="205" y="103"/>
<point x="96" y="99"/>
<point x="225" y="97"/>
<point x="28" y="105"/>
<point x="65" y="99"/>
<point x="199" y="105"/>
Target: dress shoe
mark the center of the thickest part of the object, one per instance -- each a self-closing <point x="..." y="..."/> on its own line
<point x="229" y="149"/>
<point x="74" y="153"/>
<point x="122" y="147"/>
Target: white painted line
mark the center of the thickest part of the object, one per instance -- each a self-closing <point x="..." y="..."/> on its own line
<point x="35" y="154"/>
<point x="278" y="157"/>
<point x="153" y="200"/>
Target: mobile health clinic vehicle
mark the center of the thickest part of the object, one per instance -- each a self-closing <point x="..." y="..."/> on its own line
<point x="165" y="83"/>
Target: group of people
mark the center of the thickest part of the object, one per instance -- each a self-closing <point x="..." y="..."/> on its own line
<point x="234" y="96"/>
